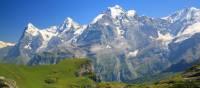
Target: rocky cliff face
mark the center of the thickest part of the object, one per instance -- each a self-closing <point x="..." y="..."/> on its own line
<point x="85" y="69"/>
<point x="5" y="83"/>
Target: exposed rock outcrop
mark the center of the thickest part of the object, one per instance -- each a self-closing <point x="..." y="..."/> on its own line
<point x="7" y="83"/>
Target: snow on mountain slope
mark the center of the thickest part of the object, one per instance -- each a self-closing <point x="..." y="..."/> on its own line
<point x="32" y="30"/>
<point x="116" y="11"/>
<point x="133" y="54"/>
<point x="47" y="35"/>
<point x="98" y="18"/>
<point x="164" y="37"/>
<point x="194" y="28"/>
<point x="184" y="23"/>
<point x="69" y="23"/>
<point x="131" y="13"/>
<point x="69" y="29"/>
<point x="5" y="44"/>
<point x="189" y="14"/>
<point x="188" y="32"/>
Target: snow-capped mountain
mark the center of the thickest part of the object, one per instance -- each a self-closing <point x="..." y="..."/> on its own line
<point x="122" y="45"/>
<point x="184" y="22"/>
<point x="4" y="48"/>
<point x="5" y="44"/>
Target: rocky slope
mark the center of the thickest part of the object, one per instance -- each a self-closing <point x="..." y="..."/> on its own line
<point x="5" y="83"/>
<point x="187" y="79"/>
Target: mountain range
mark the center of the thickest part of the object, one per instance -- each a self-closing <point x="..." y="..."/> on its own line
<point x="122" y="45"/>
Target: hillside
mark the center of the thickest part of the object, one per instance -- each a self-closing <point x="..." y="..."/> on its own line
<point x="78" y="73"/>
<point x="188" y="79"/>
<point x="67" y="74"/>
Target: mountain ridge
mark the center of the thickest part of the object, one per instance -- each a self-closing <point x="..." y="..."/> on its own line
<point x="122" y="45"/>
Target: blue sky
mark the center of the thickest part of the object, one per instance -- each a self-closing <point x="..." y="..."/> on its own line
<point x="16" y="14"/>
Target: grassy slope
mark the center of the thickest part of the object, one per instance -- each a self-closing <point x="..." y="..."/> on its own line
<point x="189" y="79"/>
<point x="61" y="75"/>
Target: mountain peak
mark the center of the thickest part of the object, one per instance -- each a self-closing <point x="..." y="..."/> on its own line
<point x="31" y="29"/>
<point x="192" y="8"/>
<point x="30" y="25"/>
<point x="131" y="13"/>
<point x="68" y="20"/>
<point x="69" y="23"/>
<point x="115" y="11"/>
<point x="97" y="18"/>
<point x="115" y="7"/>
